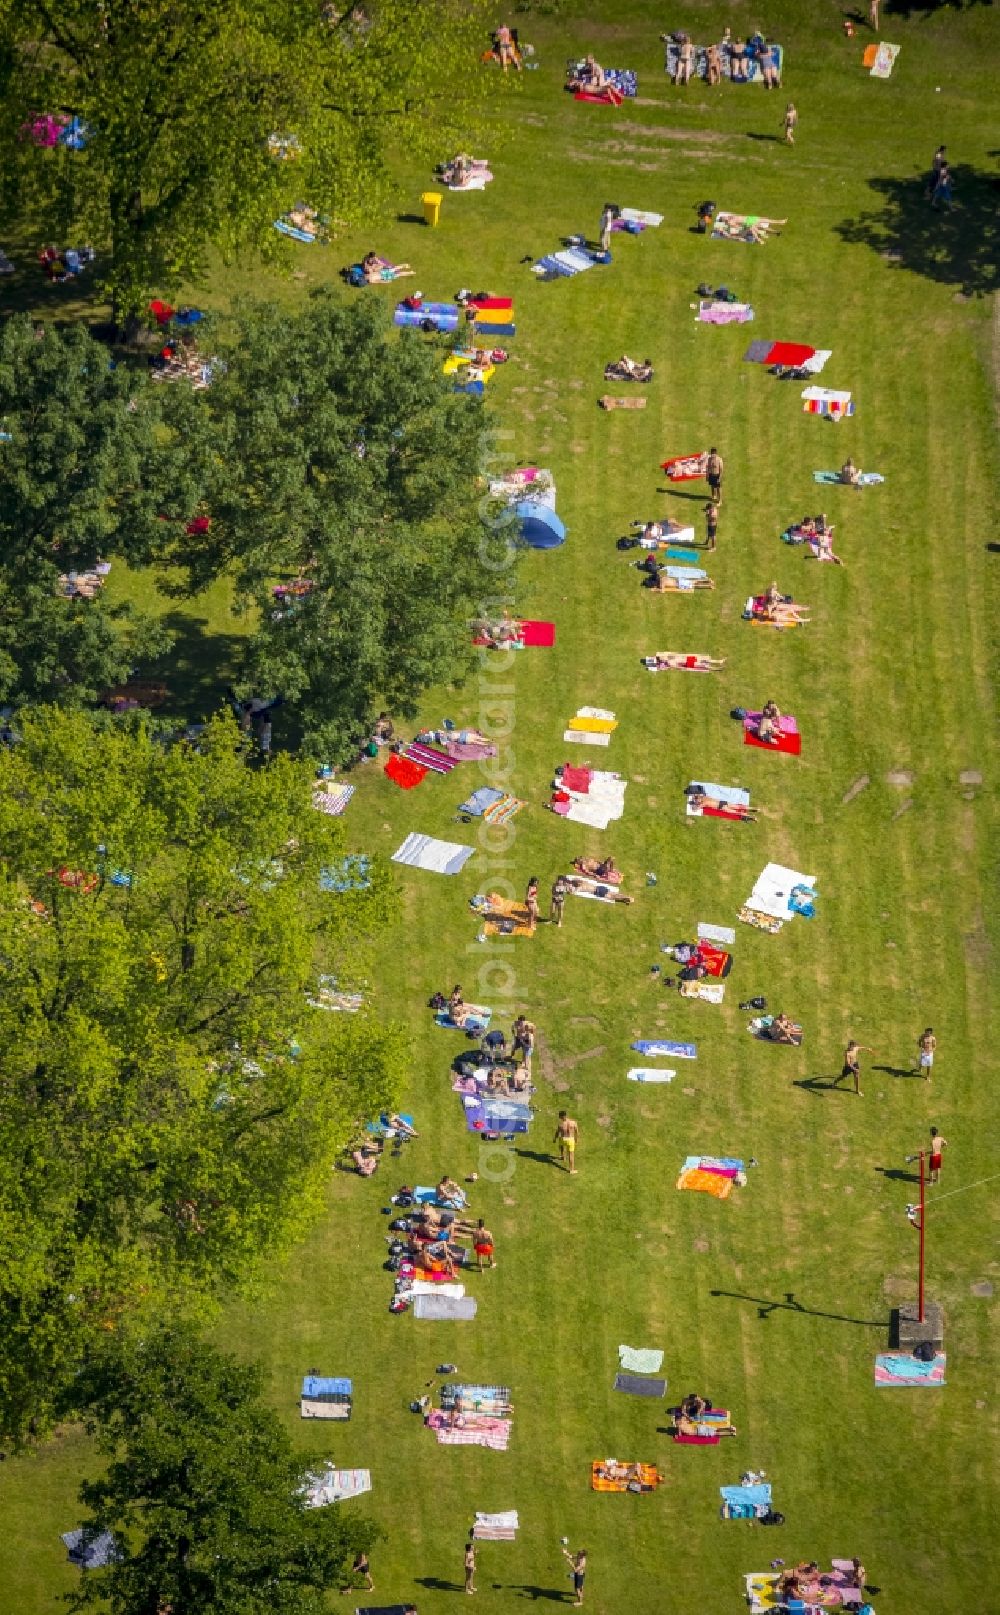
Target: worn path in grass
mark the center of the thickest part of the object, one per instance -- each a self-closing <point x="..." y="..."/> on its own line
<point x="776" y="1301"/>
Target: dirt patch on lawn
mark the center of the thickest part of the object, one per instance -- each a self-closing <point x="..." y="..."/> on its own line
<point x="710" y="137"/>
<point x="900" y="776"/>
<point x="567" y="1062"/>
<point x="584" y="1020"/>
<point x="854" y="790"/>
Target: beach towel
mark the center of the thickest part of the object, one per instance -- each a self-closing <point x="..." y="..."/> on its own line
<point x="595" y="891"/>
<point x="756" y="1498"/>
<point x="323" y="1397"/>
<point x="789" y="740"/>
<point x="691" y="663"/>
<point x="426" y="852"/>
<point x="476" y="804"/>
<point x="746" y="227"/>
<point x="335" y="1486"/>
<point x="635" y="215"/>
<point x="866" y="479"/>
<point x="885" y="59"/>
<point x="704" y="1182"/>
<point x="899" y="1368"/>
<point x="475" y="1397"/>
<point x="404" y="772"/>
<point x="441" y="1308"/>
<point x="636" y="1385"/>
<point x="351" y="874"/>
<point x="710" y="992"/>
<point x="477" y="1020"/>
<point x="500" y="1527"/>
<point x="723" y="934"/>
<point x="661" y="1049"/>
<point x="732" y="795"/>
<point x="438" y="762"/>
<point x="468" y="751"/>
<point x="426" y="1287"/>
<point x="540" y="634"/>
<point x="789" y="353"/>
<point x="607" y="402"/>
<point x="91" y="1549"/>
<point x="485" y="1432"/>
<point x="695" y="1441"/>
<point x="640" y="1359"/>
<point x="649" y="1073"/>
<point x="425" y="1194"/>
<point x="647" y="1480"/>
<point x="506" y="917"/>
<point x="443" y="316"/>
<point x="502" y="812"/>
<point x="593" y="725"/>
<point x="486" y="1114"/>
<point x="828" y="401"/>
<point x="685" y="467"/>
<point x="713" y="313"/>
<point x="762" y="1592"/>
<point x="582" y="737"/>
<point x="331" y="798"/>
<point x="773" y="889"/>
<point x="730" y="1165"/>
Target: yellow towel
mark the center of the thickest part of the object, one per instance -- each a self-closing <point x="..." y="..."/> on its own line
<point x="593" y="726"/>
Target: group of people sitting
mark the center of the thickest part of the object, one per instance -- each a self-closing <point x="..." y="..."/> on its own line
<point x="689" y="1417"/>
<point x="766" y="728"/>
<point x="774" y="607"/>
<point x="626" y="369"/>
<point x="431" y="1235"/>
<point x="780" y="1029"/>
<point x="805" y="1581"/>
<point x="739" y="55"/>
<point x="817" y="533"/>
<point x="367" y="1153"/>
<point x="662" y="578"/>
<point x="586" y="75"/>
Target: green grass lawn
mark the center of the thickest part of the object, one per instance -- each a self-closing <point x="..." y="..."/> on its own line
<point x="776" y="1301"/>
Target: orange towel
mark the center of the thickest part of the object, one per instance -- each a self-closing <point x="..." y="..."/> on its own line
<point x="707" y="1182"/>
<point x="501" y="908"/>
<point x="648" y="1475"/>
<point x="868" y="59"/>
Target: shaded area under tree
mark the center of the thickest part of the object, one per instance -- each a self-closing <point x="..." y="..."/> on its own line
<point x="959" y="248"/>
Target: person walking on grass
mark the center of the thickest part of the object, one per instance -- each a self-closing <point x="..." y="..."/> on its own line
<point x="566" y="1134"/>
<point x="852" y="1065"/>
<point x="559" y="889"/>
<point x="578" y="1564"/>
<point x="711" y="524"/>
<point x="714" y="467"/>
<point x="362" y="1568"/>
<point x="791" y="119"/>
<point x="470" y="1565"/>
<point x="531" y="901"/>
<point x="942" y="188"/>
<point x="926" y="1044"/>
<point x="873" y="14"/>
<point x="482" y="1244"/>
<point x="938" y="1147"/>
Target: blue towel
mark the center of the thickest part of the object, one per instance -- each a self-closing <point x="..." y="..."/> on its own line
<point x="480" y="800"/>
<point x="318" y="1388"/>
<point x="681" y="1051"/>
<point x="755" y="1496"/>
<point x="729" y="1161"/>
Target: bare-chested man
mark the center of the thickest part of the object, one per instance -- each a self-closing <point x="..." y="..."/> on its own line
<point x="566" y="1134"/>
<point x="926" y="1045"/>
<point x="852" y="1064"/>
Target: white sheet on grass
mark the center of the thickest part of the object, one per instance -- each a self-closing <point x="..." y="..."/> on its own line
<point x="650" y="1073"/>
<point x="774" y="887"/>
<point x="584" y="737"/>
<point x="424" y="852"/>
<point x="331" y="1485"/>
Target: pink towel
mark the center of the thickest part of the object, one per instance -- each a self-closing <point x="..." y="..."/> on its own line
<point x="576" y="779"/>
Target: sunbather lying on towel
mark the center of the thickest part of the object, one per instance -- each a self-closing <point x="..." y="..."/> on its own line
<point x="626" y="369"/>
<point x="609" y="896"/>
<point x="431" y="1223"/>
<point x="496" y="635"/>
<point x="692" y="664"/>
<point x="820" y="547"/>
<point x="588" y="75"/>
<point x="611" y="1469"/>
<point x="773" y="606"/>
<point x="366" y="1157"/>
<point x="450" y="1193"/>
<point x="684" y="1426"/>
<point x="665" y="583"/>
<point x="378" y="269"/>
<point x="700" y="799"/>
<point x="599" y="869"/>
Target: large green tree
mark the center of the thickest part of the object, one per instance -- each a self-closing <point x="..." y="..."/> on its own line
<point x="344" y="457"/>
<point x="179" y="99"/>
<point x="89" y="467"/>
<point x="172" y="1100"/>
<point x="204" y="1492"/>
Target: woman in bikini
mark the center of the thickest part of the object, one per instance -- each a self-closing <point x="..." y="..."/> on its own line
<point x="692" y="664"/>
<point x="700" y="799"/>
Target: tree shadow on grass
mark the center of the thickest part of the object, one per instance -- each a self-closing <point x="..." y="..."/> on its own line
<point x="907" y="8"/>
<point x="959" y="248"/>
<point x="198" y="668"/>
<point x="789" y="1304"/>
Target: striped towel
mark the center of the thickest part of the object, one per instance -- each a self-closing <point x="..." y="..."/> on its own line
<point x="437" y="761"/>
<point x="503" y="811"/>
<point x="332" y="799"/>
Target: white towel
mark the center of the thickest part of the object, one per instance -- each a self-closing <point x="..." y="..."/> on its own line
<point x="650" y="1073"/>
<point x="428" y="1287"/>
<point x="716" y="933"/>
<point x="583" y="737"/>
<point x="774" y="887"/>
<point x="506" y="1520"/>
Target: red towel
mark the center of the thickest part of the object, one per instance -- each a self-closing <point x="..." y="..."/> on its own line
<point x="404" y="773"/>
<point x="576" y="779"/>
<point x="682" y="476"/>
<point x="491" y="302"/>
<point x="791" y="353"/>
<point x="608" y="97"/>
<point x="696" y="1441"/>
<point x="722" y="813"/>
<point x="790" y="744"/>
<point x="538" y="633"/>
<point x="715" y="960"/>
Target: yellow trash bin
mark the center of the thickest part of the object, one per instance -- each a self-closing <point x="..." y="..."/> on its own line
<point x="432" y="206"/>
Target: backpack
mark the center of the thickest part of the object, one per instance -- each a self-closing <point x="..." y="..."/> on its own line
<point x="925" y="1352"/>
<point x="627" y="543"/>
<point x="772" y="1517"/>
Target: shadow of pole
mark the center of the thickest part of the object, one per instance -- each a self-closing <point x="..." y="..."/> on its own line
<point x="789" y="1304"/>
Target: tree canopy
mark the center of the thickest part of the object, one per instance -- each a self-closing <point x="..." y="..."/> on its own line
<point x="203" y="1491"/>
<point x="172" y="1095"/>
<point x="87" y="468"/>
<point x="344" y="461"/>
<point x="179" y="103"/>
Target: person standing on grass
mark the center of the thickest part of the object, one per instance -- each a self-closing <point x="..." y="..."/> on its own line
<point x="711" y="524"/>
<point x="852" y="1064"/>
<point x="531" y="901"/>
<point x="942" y="188"/>
<point x="714" y="467"/>
<point x="523" y="1032"/>
<point x="926" y="1045"/>
<point x="578" y="1564"/>
<point x="559" y="890"/>
<point x="470" y="1565"/>
<point x="361" y="1567"/>
<point x="938" y="1147"/>
<point x="566" y="1134"/>
<point x="791" y="119"/>
<point x="482" y="1244"/>
<point x="938" y="162"/>
<point x="873" y="14"/>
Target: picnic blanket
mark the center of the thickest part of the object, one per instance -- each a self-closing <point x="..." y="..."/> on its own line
<point x="828" y="401"/>
<point x="773" y="891"/>
<point x="751" y="228"/>
<point x="647" y="1479"/>
<point x="789" y="740"/>
<point x="477" y="1019"/>
<point x="745" y="1502"/>
<point x="499" y="1527"/>
<point x="438" y="762"/>
<point x="884" y="59"/>
<point x="331" y="798"/>
<point x="426" y="852"/>
<point x="660" y="1048"/>
<point x="560" y="265"/>
<point x="702" y="1181"/>
<point x="486" y="1113"/>
<point x="899" y="1368"/>
<point x="589" y="796"/>
<point x="640" y="1385"/>
<point x="404" y="772"/>
<point x="711" y="312"/>
<point x="649" y="1073"/>
<point x="476" y="804"/>
<point x="640" y="1359"/>
<point x="325" y="1397"/>
<point x="780" y="353"/>
<point x="335" y="1486"/>
<point x="468" y="751"/>
<point x="441" y="1308"/>
<point x="478" y="1430"/>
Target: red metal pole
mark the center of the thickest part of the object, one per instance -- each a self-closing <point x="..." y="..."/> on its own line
<point x="920" y="1283"/>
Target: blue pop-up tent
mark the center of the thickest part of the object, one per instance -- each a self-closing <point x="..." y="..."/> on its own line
<point x="540" y="528"/>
